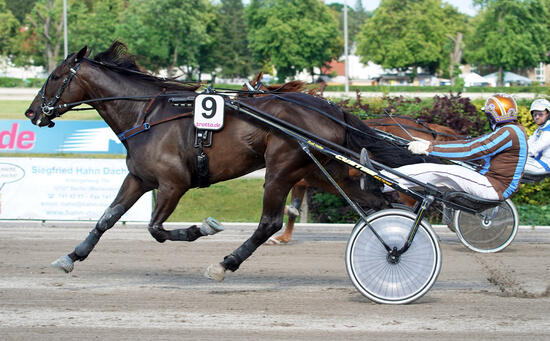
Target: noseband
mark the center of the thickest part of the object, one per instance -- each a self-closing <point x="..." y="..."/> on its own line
<point x="48" y="107"/>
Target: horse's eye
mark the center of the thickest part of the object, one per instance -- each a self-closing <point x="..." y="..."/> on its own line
<point x="54" y="77"/>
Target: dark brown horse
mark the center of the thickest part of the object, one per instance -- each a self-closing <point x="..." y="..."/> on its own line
<point x="404" y="126"/>
<point x="159" y="139"/>
<point x="350" y="183"/>
<point x="400" y="126"/>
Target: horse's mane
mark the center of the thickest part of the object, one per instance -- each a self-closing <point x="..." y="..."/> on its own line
<point x="118" y="58"/>
<point x="292" y="86"/>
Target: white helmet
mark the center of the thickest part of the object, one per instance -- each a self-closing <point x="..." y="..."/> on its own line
<point x="540" y="104"/>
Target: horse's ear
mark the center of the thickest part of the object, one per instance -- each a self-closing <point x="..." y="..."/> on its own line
<point x="82" y="53"/>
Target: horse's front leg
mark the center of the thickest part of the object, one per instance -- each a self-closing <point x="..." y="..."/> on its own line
<point x="130" y="191"/>
<point x="272" y="220"/>
<point x="167" y="200"/>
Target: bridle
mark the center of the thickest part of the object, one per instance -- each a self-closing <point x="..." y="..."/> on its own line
<point x="48" y="107"/>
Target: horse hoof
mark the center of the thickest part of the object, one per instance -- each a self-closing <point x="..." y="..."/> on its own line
<point x="272" y="241"/>
<point x="158" y="234"/>
<point x="215" y="272"/>
<point x="64" y="263"/>
<point x="292" y="211"/>
<point x="211" y="226"/>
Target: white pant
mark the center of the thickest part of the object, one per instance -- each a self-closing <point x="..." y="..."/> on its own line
<point x="454" y="177"/>
<point x="532" y="166"/>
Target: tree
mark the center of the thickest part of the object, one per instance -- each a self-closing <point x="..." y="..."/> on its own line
<point x="509" y="35"/>
<point x="19" y="8"/>
<point x="404" y="34"/>
<point x="8" y="26"/>
<point x="41" y="42"/>
<point x="167" y="33"/>
<point x="457" y="25"/>
<point x="86" y="31"/>
<point x="357" y="17"/>
<point x="232" y="43"/>
<point x="292" y="35"/>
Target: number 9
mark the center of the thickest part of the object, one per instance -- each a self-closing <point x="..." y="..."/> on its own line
<point x="209" y="105"/>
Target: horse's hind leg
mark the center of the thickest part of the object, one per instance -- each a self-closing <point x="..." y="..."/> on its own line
<point x="167" y="200"/>
<point x="278" y="184"/>
<point x="130" y="191"/>
<point x="292" y="211"/>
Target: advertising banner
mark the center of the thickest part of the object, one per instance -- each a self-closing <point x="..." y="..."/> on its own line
<point x="64" y="189"/>
<point x="82" y="137"/>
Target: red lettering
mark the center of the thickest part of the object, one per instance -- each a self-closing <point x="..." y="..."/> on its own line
<point x="26" y="140"/>
<point x="10" y="139"/>
<point x="2" y="135"/>
<point x="10" y="143"/>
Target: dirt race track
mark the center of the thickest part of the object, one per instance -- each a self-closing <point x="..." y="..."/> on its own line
<point x="132" y="288"/>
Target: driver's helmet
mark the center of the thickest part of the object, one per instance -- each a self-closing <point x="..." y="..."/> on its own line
<point x="501" y="108"/>
<point x="540" y="104"/>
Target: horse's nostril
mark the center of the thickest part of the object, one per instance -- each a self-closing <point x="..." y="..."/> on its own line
<point x="29" y="114"/>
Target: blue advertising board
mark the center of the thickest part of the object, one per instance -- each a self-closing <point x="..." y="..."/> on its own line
<point x="82" y="137"/>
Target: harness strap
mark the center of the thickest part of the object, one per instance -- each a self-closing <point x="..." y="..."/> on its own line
<point x="149" y="106"/>
<point x="428" y="130"/>
<point x="145" y="126"/>
<point x="431" y="131"/>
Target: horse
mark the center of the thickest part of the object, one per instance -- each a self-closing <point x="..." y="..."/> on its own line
<point x="159" y="139"/>
<point x="256" y="88"/>
<point x="350" y="184"/>
<point x="407" y="127"/>
<point x="401" y="126"/>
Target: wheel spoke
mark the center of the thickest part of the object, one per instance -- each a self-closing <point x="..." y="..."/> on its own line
<point x="379" y="279"/>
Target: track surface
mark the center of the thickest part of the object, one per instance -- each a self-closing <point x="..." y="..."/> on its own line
<point x="132" y="288"/>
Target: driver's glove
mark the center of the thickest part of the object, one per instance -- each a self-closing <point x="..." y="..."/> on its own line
<point x="419" y="146"/>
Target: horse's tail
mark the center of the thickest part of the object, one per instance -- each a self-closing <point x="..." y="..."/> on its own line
<point x="379" y="149"/>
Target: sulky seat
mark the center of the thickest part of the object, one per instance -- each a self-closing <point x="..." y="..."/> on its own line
<point x="470" y="201"/>
<point x="529" y="178"/>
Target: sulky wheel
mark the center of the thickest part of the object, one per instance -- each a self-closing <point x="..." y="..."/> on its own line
<point x="489" y="231"/>
<point x="383" y="279"/>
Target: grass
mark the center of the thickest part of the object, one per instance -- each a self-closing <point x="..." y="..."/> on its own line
<point x="238" y="200"/>
<point x="15" y="110"/>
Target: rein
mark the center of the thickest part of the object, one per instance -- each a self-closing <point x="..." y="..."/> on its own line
<point x="429" y="131"/>
<point x="146" y="126"/>
<point x="106" y="99"/>
<point x="143" y="126"/>
<point x="49" y="108"/>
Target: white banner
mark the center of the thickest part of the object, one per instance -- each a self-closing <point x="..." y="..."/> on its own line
<point x="64" y="189"/>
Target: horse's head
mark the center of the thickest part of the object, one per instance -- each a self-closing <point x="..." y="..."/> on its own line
<point x="61" y="87"/>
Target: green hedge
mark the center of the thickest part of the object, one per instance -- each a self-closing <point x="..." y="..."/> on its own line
<point x="454" y="111"/>
<point x="9" y="82"/>
<point x="331" y="208"/>
<point x="441" y="89"/>
<point x="533" y="214"/>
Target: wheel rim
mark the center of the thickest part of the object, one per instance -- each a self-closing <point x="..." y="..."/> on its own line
<point x="386" y="282"/>
<point x="491" y="231"/>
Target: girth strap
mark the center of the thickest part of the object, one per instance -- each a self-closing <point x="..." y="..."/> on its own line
<point x="145" y="126"/>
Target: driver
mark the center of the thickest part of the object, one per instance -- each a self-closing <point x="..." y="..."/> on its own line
<point x="538" y="161"/>
<point x="502" y="155"/>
